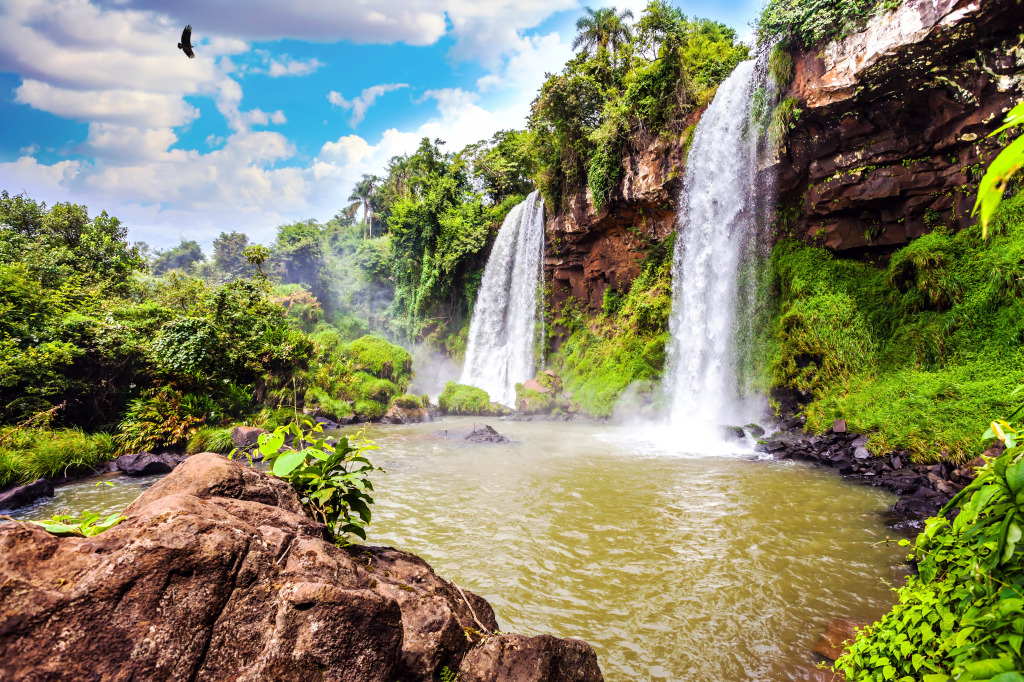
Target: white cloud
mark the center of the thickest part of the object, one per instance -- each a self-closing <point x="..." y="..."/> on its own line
<point x="363" y="101"/>
<point x="133" y="107"/>
<point x="292" y="67"/>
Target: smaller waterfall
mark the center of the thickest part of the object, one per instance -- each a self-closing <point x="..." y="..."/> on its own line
<point x="502" y="332"/>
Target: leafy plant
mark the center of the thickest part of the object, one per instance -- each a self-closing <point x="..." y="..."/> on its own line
<point x="994" y="182"/>
<point x="959" y="618"/>
<point x="86" y="525"/>
<point x="332" y="480"/>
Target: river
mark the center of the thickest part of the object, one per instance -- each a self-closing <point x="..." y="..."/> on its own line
<point x="674" y="566"/>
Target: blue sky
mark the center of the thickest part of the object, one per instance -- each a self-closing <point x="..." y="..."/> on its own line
<point x="285" y="106"/>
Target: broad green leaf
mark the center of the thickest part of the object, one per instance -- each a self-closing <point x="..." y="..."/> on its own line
<point x="1015" y="477"/>
<point x="988" y="667"/>
<point x="1014" y="118"/>
<point x="287" y="462"/>
<point x="993" y="184"/>
<point x="1013" y="535"/>
<point x="270" y="443"/>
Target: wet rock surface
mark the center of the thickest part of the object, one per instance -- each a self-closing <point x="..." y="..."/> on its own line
<point x="923" y="488"/>
<point x="21" y="495"/>
<point x="475" y="433"/>
<point x="148" y="463"/>
<point x="218" y="574"/>
<point x="406" y="415"/>
<point x="839" y="634"/>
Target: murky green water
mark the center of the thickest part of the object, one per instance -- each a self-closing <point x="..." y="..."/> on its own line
<point x="674" y="567"/>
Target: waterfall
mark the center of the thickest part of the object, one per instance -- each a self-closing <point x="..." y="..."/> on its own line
<point x="502" y="332"/>
<point x="718" y="223"/>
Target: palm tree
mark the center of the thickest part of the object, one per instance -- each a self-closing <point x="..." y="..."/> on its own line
<point x="362" y="197"/>
<point x="602" y="28"/>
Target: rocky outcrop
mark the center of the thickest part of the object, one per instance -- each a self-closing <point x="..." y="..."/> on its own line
<point x="475" y="433"/>
<point x="588" y="250"/>
<point x="401" y="414"/>
<point x="21" y="495"/>
<point x="891" y="138"/>
<point x="923" y="488"/>
<point x="218" y="574"/>
<point x="148" y="463"/>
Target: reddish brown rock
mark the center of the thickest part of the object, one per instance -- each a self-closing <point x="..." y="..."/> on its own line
<point x="246" y="436"/>
<point x="218" y="574"/>
<point x="534" y="385"/>
<point x="406" y="415"/>
<point x="589" y="250"/>
<point x="893" y="123"/>
<point x="517" y="658"/>
<point x="838" y="634"/>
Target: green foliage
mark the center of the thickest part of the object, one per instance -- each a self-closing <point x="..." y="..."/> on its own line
<point x="780" y="66"/>
<point x="623" y="347"/>
<point x="807" y="23"/>
<point x="409" y="402"/>
<point x="530" y="401"/>
<point x="783" y="118"/>
<point x="1010" y="160"/>
<point x="161" y="417"/>
<point x="332" y="480"/>
<point x="34" y="453"/>
<point x="211" y="439"/>
<point x="462" y="399"/>
<point x="382" y="359"/>
<point x="636" y="85"/>
<point x="86" y="526"/>
<point x="959" y="618"/>
<point x="909" y="353"/>
<point x="181" y="257"/>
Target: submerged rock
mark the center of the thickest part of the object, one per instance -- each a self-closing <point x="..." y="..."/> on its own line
<point x="148" y="463"/>
<point x="839" y="633"/>
<point x="476" y="433"/>
<point x="733" y="433"/>
<point x="218" y="574"/>
<point x="755" y="430"/>
<point x="25" y="494"/>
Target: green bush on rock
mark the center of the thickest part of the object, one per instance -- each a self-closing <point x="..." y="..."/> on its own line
<point x="465" y="400"/>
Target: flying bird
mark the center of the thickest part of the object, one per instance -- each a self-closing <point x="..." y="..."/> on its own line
<point x="186" y="42"/>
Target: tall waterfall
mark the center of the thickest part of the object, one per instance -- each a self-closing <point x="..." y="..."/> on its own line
<point x="502" y="333"/>
<point x="718" y="224"/>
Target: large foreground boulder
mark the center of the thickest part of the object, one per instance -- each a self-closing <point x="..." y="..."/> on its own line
<point x="218" y="574"/>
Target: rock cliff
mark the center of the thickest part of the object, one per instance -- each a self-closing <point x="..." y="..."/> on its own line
<point x="891" y="138"/>
<point x="889" y="144"/>
<point x="588" y="250"/>
<point x="218" y="574"/>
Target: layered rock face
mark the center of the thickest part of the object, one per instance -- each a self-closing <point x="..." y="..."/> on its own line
<point x="218" y="574"/>
<point x="589" y="250"/>
<point x="891" y="138"/>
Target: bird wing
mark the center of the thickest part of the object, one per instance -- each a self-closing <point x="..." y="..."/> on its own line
<point x="186" y="35"/>
<point x="188" y="51"/>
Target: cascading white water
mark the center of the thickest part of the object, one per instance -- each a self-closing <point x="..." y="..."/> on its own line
<point x="502" y="332"/>
<point x="717" y="223"/>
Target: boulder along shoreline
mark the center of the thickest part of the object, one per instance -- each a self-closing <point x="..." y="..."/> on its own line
<point x="219" y="574"/>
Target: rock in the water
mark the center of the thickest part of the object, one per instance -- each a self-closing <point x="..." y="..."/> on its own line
<point x="534" y="385"/>
<point x="218" y="574"/>
<point x="517" y="658"/>
<point x="755" y="430"/>
<point x="148" y="463"/>
<point x="406" y="415"/>
<point x="244" y="437"/>
<point x="733" y="433"/>
<point x="476" y="433"/>
<point x="26" y="494"/>
<point x="839" y="633"/>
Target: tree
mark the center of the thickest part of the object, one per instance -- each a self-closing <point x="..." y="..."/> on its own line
<point x="602" y="29"/>
<point x="362" y="196"/>
<point x="229" y="255"/>
<point x="181" y="257"/>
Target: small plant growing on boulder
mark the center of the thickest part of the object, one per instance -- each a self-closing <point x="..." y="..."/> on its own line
<point x="332" y="480"/>
<point x="86" y="526"/>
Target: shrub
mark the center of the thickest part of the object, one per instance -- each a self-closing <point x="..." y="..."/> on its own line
<point x="38" y="453"/>
<point x="330" y="407"/>
<point x="333" y="481"/>
<point x="462" y="399"/>
<point x="959" y="618"/>
<point x="211" y="439"/>
<point x="161" y="417"/>
<point x="382" y="359"/>
<point x="408" y="402"/>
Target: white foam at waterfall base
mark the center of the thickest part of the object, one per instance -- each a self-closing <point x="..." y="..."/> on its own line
<point x="503" y="329"/>
<point x="716" y="223"/>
